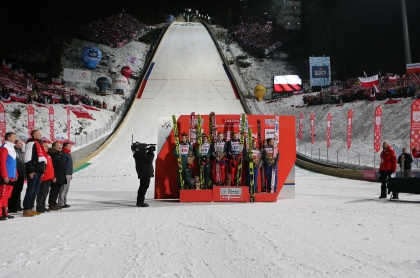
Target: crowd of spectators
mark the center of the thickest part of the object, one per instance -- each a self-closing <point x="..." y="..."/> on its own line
<point x="27" y="90"/>
<point x="255" y="37"/>
<point x="114" y="31"/>
<point x="405" y="86"/>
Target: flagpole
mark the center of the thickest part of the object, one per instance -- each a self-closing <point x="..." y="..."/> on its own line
<point x="405" y="31"/>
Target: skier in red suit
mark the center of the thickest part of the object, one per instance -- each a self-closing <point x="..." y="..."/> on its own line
<point x="8" y="173"/>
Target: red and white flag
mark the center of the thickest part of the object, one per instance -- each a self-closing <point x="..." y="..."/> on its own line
<point x="6" y="67"/>
<point x="300" y="126"/>
<point x="56" y="81"/>
<point x="2" y="122"/>
<point x="369" y="82"/>
<point x="51" y="120"/>
<point x="377" y="129"/>
<point x="68" y="122"/>
<point x="313" y="128"/>
<point x="287" y="83"/>
<point x="31" y="119"/>
<point x="349" y="127"/>
<point x="415" y="124"/>
<point x="413" y="68"/>
<point x="329" y="119"/>
<point x="392" y="79"/>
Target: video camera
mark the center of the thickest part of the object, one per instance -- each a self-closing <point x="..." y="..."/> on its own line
<point x="137" y="146"/>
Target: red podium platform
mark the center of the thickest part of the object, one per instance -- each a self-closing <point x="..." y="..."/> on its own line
<point x="224" y="194"/>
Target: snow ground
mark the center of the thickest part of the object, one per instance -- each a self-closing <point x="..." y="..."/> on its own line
<point x="334" y="227"/>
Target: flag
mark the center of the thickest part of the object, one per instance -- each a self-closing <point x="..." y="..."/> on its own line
<point x="369" y="82"/>
<point x="392" y="79"/>
<point x="413" y="68"/>
<point x="287" y="83"/>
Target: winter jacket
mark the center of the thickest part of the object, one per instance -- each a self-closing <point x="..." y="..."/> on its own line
<point x="7" y="162"/>
<point x="407" y="162"/>
<point x="31" y="159"/>
<point x="144" y="164"/>
<point x="388" y="160"/>
<point x="234" y="148"/>
<point x="59" y="167"/>
<point x="20" y="160"/>
<point x="416" y="154"/>
<point x="68" y="161"/>
<point x="49" y="169"/>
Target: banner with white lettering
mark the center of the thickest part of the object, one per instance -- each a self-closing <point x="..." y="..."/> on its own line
<point x="320" y="71"/>
<point x="329" y="118"/>
<point x="31" y="119"/>
<point x="68" y="122"/>
<point x="51" y="120"/>
<point x="412" y="68"/>
<point x="369" y="82"/>
<point x="377" y="130"/>
<point x="349" y="127"/>
<point x="312" y="128"/>
<point x="415" y="124"/>
<point x="300" y="126"/>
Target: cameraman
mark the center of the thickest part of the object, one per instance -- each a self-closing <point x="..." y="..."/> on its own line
<point x="144" y="166"/>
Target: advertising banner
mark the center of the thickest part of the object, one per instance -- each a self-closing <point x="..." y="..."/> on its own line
<point x="320" y="71"/>
<point x="300" y="126"/>
<point x="31" y="119"/>
<point x="377" y="129"/>
<point x="415" y="125"/>
<point x="329" y="118"/>
<point x="74" y="75"/>
<point x="312" y="128"/>
<point x="51" y="120"/>
<point x="68" y="122"/>
<point x="349" y="127"/>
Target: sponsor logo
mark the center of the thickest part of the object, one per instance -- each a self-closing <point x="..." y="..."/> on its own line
<point x="378" y="120"/>
<point x="270" y="121"/>
<point x="416" y="116"/>
<point x="369" y="175"/>
<point x="230" y="193"/>
<point x="42" y="75"/>
<point x="231" y="121"/>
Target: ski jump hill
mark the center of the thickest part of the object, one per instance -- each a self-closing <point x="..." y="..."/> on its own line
<point x="186" y="74"/>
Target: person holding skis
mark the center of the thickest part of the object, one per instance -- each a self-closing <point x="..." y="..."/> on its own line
<point x="256" y="158"/>
<point x="219" y="150"/>
<point x="387" y="168"/>
<point x="204" y="154"/>
<point x="234" y="151"/>
<point x="270" y="159"/>
<point x="185" y="149"/>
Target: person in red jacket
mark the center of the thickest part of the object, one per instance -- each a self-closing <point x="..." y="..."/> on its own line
<point x="387" y="168"/>
<point x="46" y="180"/>
<point x="415" y="152"/>
<point x="8" y="173"/>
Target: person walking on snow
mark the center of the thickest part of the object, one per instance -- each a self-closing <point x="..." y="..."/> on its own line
<point x="8" y="173"/>
<point x="35" y="167"/>
<point x="387" y="168"/>
<point x="68" y="162"/>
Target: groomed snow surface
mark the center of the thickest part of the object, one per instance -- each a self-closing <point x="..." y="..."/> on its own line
<point x="334" y="227"/>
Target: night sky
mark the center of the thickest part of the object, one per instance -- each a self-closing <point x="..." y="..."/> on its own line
<point x="373" y="28"/>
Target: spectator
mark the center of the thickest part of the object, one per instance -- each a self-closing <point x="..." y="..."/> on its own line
<point x="46" y="180"/>
<point x="8" y="173"/>
<point x="387" y="168"/>
<point x="405" y="160"/>
<point x="15" y="204"/>
<point x="68" y="162"/>
<point x="59" y="173"/>
<point x="35" y="159"/>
